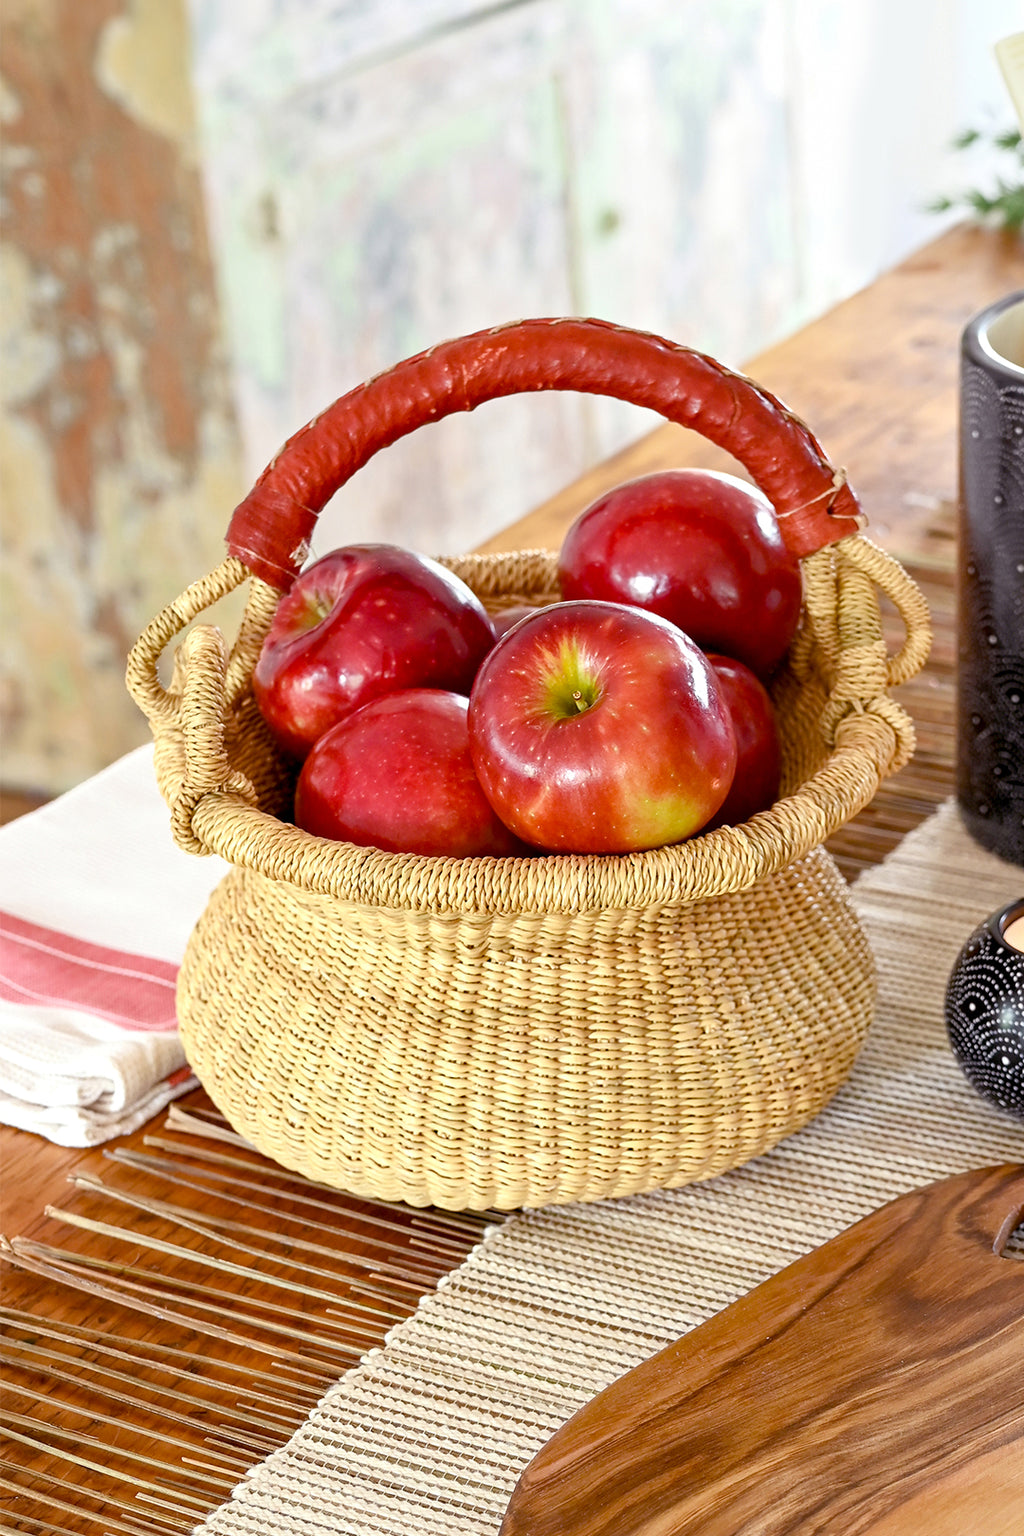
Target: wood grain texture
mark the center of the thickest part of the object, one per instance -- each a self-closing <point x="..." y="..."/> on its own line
<point x="875" y="1386"/>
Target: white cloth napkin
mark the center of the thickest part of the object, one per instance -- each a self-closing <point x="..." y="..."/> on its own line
<point x="96" y="906"/>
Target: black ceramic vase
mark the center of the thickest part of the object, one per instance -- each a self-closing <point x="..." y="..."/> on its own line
<point x="990" y="616"/>
<point x="985" y="1011"/>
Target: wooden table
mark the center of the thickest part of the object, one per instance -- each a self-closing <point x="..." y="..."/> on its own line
<point x="876" y="378"/>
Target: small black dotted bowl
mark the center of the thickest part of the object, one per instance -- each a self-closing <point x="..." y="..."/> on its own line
<point x="985" y="1011"/>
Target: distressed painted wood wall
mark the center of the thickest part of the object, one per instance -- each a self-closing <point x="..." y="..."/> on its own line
<point x="119" y="447"/>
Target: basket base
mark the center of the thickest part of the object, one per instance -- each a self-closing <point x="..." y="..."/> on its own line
<point x="494" y="1062"/>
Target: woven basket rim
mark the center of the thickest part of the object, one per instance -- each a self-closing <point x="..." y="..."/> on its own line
<point x="709" y="864"/>
<point x="214" y="807"/>
<point x="676" y="875"/>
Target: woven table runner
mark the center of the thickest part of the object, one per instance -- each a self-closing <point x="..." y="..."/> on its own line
<point x="429" y="1434"/>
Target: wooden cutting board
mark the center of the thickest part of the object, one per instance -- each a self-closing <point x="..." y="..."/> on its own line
<point x="875" y="1386"/>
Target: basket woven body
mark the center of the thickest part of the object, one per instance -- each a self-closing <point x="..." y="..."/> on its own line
<point x="505" y="1032"/>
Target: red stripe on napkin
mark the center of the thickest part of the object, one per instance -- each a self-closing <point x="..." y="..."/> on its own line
<point x="41" y="966"/>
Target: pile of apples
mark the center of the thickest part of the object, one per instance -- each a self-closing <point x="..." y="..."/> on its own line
<point x="631" y="714"/>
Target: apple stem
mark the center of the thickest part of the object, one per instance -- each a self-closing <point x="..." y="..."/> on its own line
<point x="579" y="700"/>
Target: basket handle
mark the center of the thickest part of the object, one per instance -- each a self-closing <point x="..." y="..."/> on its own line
<point x="271" y="529"/>
<point x="841" y="595"/>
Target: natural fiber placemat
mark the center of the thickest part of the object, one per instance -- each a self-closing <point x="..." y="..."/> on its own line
<point x="429" y="1434"/>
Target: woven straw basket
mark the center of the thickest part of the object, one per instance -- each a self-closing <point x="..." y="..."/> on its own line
<point x="502" y="1032"/>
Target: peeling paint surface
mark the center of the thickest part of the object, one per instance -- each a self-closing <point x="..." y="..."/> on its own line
<point x="118" y="448"/>
<point x="131" y="66"/>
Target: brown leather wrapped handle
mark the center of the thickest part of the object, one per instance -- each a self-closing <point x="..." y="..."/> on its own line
<point x="271" y="529"/>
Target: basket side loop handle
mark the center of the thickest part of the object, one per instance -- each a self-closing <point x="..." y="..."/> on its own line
<point x="202" y="665"/>
<point x="848" y="628"/>
<point x="271" y="529"/>
<point x="159" y="704"/>
<point x="908" y="600"/>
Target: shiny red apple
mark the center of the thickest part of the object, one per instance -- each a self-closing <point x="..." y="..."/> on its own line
<point x="363" y="621"/>
<point x="506" y="618"/>
<point x="701" y="549"/>
<point x="396" y="774"/>
<point x="597" y="728"/>
<point x="755" y="785"/>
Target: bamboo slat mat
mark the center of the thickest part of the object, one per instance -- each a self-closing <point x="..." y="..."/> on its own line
<point x="197" y="1305"/>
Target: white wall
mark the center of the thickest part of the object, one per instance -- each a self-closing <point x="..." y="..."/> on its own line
<point x="382" y="174"/>
<point x="880" y="87"/>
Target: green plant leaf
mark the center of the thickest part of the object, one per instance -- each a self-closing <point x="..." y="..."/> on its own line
<point x="1005" y="204"/>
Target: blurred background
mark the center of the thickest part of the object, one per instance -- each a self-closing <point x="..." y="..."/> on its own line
<point x="219" y="217"/>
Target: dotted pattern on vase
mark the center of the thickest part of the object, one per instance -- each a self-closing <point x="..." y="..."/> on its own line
<point x="990" y="673"/>
<point x="985" y="1018"/>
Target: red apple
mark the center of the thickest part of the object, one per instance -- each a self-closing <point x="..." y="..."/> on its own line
<point x="699" y="548"/>
<point x="360" y="622"/>
<point x="396" y="774"/>
<point x="596" y="728"/>
<point x="506" y="618"/>
<point x="756" y="784"/>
